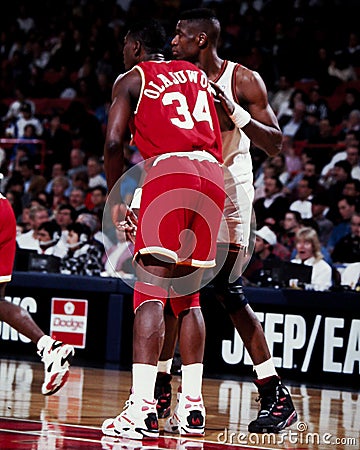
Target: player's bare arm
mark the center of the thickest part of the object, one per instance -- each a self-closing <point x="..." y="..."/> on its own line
<point x="125" y="93"/>
<point x="263" y="129"/>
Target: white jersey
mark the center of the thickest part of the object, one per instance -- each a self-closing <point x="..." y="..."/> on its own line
<point x="236" y="145"/>
<point x="238" y="175"/>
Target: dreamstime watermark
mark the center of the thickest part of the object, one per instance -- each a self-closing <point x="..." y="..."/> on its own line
<point x="299" y="436"/>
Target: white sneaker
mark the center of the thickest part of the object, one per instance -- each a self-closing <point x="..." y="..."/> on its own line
<point x="56" y="359"/>
<point x="188" y="418"/>
<point x="139" y="420"/>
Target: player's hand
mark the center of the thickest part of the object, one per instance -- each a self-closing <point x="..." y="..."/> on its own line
<point x="125" y="220"/>
<point x="225" y="101"/>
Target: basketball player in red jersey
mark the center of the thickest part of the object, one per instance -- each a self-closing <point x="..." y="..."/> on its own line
<point x="171" y="113"/>
<point x="54" y="354"/>
<point x="196" y="39"/>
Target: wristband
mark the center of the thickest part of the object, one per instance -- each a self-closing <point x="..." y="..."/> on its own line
<point x="240" y="117"/>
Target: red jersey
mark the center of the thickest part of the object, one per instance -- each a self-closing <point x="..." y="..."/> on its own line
<point x="7" y="239"/>
<point x="175" y="111"/>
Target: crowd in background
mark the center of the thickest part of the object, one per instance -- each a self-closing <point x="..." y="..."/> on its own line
<point x="58" y="63"/>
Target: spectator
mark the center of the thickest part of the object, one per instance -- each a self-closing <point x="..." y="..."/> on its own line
<point x="49" y="236"/>
<point x="282" y="95"/>
<point x="291" y="224"/>
<point x="95" y="172"/>
<point x="341" y="173"/>
<point x="26" y="118"/>
<point x="98" y="199"/>
<point x="265" y="240"/>
<point x="352" y="189"/>
<point x="77" y="160"/>
<point x="347" y="249"/>
<point x="316" y="104"/>
<point x="319" y="207"/>
<point x="296" y="126"/>
<point x="308" y="170"/>
<point x="33" y="182"/>
<point x="58" y="192"/>
<point x="29" y="240"/>
<point x="58" y="170"/>
<point x="273" y="204"/>
<point x="308" y="252"/>
<point x="346" y="207"/>
<point x="292" y="160"/>
<point x="77" y="200"/>
<point x="83" y="257"/>
<point x="65" y="215"/>
<point x="58" y="142"/>
<point x="98" y="236"/>
<point x="305" y="190"/>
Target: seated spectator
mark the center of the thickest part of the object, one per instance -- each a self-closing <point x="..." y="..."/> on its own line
<point x="95" y="172"/>
<point x="273" y="204"/>
<point x="58" y="192"/>
<point x="33" y="182"/>
<point x="26" y="117"/>
<point x="297" y="127"/>
<point x="350" y="102"/>
<point x="346" y="208"/>
<point x="347" y="249"/>
<point x="97" y="199"/>
<point x="82" y="258"/>
<point x="308" y="252"/>
<point x="265" y="240"/>
<point x="77" y="200"/>
<point x="58" y="142"/>
<point x="64" y="216"/>
<point x="49" y="236"/>
<point x="281" y="97"/>
<point x="29" y="240"/>
<point x="308" y="170"/>
<point x="94" y="223"/>
<point x="57" y="170"/>
<point x="352" y="189"/>
<point x="305" y="190"/>
<point x="77" y="162"/>
<point x="319" y="208"/>
<point x="323" y="142"/>
<point x="291" y="224"/>
<point x="317" y="105"/>
<point x="292" y="160"/>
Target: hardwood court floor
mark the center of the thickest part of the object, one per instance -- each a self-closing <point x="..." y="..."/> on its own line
<point x="71" y="419"/>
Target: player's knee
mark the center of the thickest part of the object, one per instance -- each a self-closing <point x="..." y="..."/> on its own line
<point x="145" y="292"/>
<point x="231" y="295"/>
<point x="180" y="303"/>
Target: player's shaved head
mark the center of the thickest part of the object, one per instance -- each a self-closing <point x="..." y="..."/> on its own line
<point x="204" y="20"/>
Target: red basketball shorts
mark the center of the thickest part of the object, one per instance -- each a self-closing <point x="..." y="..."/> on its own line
<point x="7" y="240"/>
<point x="181" y="209"/>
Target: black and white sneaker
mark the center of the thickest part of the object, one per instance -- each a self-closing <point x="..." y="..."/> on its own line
<point x="276" y="407"/>
<point x="163" y="394"/>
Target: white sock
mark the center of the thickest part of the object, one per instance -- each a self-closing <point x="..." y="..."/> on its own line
<point x="144" y="376"/>
<point x="165" y="366"/>
<point x="44" y="341"/>
<point x="191" y="379"/>
<point x="265" y="369"/>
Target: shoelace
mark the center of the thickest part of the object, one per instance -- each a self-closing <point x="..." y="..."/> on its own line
<point x="269" y="401"/>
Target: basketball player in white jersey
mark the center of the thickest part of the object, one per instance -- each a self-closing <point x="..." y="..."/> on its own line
<point x="196" y="39"/>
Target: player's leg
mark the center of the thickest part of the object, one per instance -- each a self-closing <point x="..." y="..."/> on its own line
<point x="164" y="377"/>
<point x="55" y="355"/>
<point x="189" y="414"/>
<point x="277" y="410"/>
<point x="139" y="420"/>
